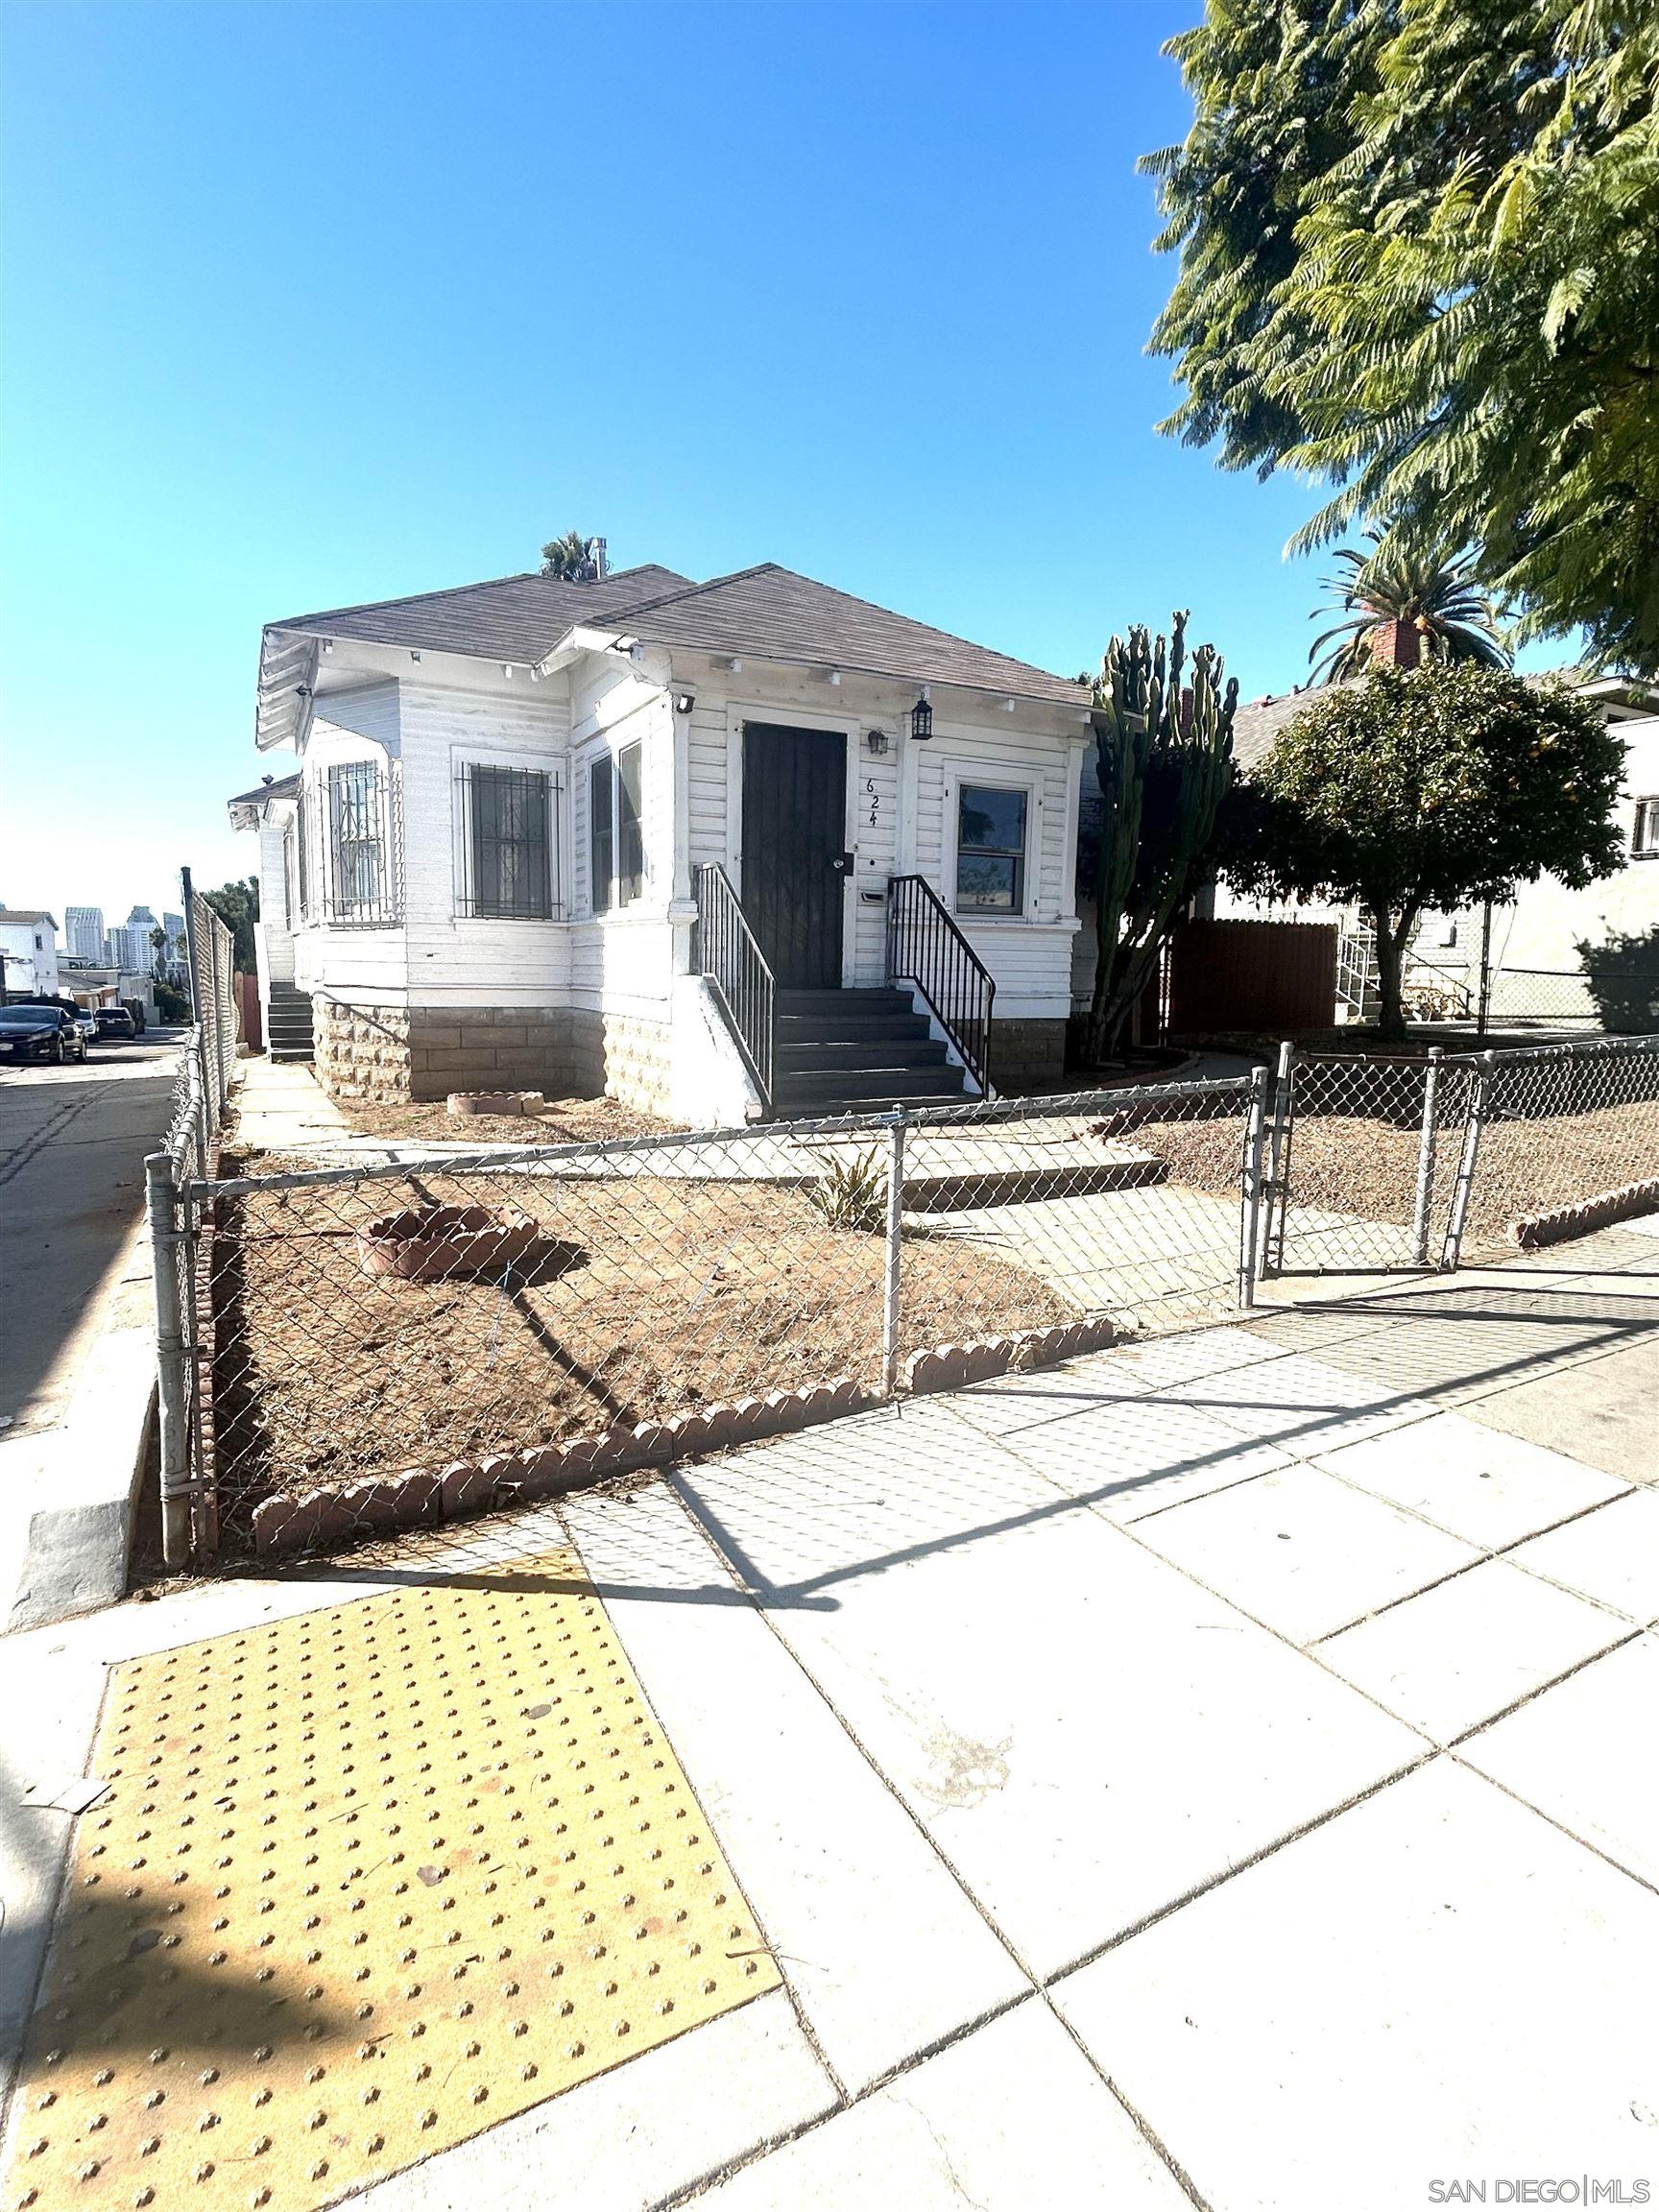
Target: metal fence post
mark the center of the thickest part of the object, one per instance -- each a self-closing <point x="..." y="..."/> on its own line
<point x="1281" y="1129"/>
<point x="1479" y="1100"/>
<point x="168" y="1250"/>
<point x="1484" y="1005"/>
<point x="891" y="1289"/>
<point x="1425" y="1197"/>
<point x="1255" y="1140"/>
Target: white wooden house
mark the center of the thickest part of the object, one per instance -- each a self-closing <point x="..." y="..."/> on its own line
<point x="720" y="849"/>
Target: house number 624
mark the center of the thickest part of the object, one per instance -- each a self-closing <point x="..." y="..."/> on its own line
<point x="874" y="799"/>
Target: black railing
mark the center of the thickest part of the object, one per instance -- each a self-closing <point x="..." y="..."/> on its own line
<point x="926" y="948"/>
<point x="727" y="955"/>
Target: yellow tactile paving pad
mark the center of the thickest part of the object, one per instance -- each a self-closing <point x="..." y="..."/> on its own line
<point x="364" y="1882"/>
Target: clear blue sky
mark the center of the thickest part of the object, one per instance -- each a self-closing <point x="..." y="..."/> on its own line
<point x="307" y="304"/>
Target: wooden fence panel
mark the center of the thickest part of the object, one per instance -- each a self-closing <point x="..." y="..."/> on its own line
<point x="248" y="1021"/>
<point x="1274" y="977"/>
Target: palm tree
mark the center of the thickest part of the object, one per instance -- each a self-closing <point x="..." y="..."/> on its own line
<point x="1405" y="606"/>
<point x="570" y="558"/>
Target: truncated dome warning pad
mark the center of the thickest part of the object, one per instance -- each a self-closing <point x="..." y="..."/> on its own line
<point x="364" y="1882"/>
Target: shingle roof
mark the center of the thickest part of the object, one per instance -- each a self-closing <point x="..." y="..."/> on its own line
<point x="770" y="613"/>
<point x="273" y="788"/>
<point x="766" y="613"/>
<point x="517" y="618"/>
<point x="25" y="914"/>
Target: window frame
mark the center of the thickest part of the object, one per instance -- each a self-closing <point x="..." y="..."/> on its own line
<point x="961" y="777"/>
<point x="1644" y="827"/>
<point x="618" y="886"/>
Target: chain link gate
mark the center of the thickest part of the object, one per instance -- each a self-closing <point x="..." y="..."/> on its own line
<point x="1366" y="1158"/>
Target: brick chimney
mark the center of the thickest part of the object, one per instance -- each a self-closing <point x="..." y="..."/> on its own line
<point x="1399" y="643"/>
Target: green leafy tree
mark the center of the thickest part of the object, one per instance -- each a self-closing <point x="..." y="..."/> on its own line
<point x="1437" y="788"/>
<point x="1417" y="263"/>
<point x="1164" y="757"/>
<point x="570" y="559"/>
<point x="1429" y="601"/>
<point x="1621" y="975"/>
<point x="237" y="906"/>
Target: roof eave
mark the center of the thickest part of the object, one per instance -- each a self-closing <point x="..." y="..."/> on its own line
<point x="287" y="681"/>
<point x="810" y="661"/>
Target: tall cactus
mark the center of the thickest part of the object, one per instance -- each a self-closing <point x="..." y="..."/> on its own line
<point x="1163" y="755"/>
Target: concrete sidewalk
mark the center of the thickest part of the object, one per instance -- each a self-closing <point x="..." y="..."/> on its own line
<point x="1218" y="1771"/>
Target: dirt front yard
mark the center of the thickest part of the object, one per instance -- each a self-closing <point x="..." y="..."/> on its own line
<point x="647" y="1295"/>
<point x="560" y="1122"/>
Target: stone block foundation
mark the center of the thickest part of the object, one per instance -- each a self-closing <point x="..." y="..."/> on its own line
<point x="393" y="1054"/>
<point x="1027" y="1055"/>
<point x="623" y="1056"/>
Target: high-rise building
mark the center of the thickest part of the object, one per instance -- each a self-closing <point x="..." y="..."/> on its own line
<point x="129" y="946"/>
<point x="177" y="956"/>
<point x="84" y="926"/>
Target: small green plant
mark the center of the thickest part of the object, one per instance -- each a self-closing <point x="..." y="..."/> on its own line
<point x="852" y="1193"/>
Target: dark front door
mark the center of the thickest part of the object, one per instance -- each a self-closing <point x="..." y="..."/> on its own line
<point x="794" y="862"/>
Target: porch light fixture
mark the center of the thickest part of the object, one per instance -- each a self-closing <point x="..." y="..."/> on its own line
<point x="685" y="702"/>
<point x="922" y="717"/>
<point x="876" y="740"/>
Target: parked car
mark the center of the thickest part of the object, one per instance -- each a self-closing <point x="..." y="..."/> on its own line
<point x="41" y="1033"/>
<point x="87" y="1024"/>
<point x="115" y="1025"/>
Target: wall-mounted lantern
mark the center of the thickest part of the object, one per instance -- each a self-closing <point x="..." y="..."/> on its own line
<point x="875" y="742"/>
<point x="922" y="717"/>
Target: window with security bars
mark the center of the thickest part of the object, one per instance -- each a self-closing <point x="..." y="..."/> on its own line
<point x="615" y="832"/>
<point x="360" y="876"/>
<point x="509" y="843"/>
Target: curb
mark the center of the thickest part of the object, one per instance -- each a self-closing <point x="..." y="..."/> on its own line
<point x="68" y="1495"/>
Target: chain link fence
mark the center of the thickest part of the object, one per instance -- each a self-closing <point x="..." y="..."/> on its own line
<point x="1379" y="1163"/>
<point x="436" y="1325"/>
<point x="201" y="1094"/>
<point x="1363" y="1159"/>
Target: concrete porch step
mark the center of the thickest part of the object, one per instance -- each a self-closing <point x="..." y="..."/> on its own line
<point x="822" y="1055"/>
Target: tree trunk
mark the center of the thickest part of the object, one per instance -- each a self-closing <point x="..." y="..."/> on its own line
<point x="1390" y="976"/>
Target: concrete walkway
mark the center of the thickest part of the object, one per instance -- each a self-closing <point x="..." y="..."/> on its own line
<point x="1214" y="1772"/>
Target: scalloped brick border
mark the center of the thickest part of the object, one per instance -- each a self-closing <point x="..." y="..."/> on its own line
<point x="317" y="1519"/>
<point x="950" y="1366"/>
<point x="1534" y="1230"/>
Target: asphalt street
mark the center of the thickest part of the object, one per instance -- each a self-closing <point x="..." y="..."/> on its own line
<point x="72" y="1147"/>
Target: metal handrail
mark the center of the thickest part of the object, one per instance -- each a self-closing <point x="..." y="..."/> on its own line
<point x="925" y="947"/>
<point x="728" y="953"/>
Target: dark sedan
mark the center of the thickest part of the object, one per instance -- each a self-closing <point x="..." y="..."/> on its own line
<point x="115" y="1025"/>
<point x="41" y="1033"/>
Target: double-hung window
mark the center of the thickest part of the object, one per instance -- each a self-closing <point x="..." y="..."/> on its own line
<point x="1644" y="832"/>
<point x="615" y="836"/>
<point x="991" y="838"/>
<point x="508" y="843"/>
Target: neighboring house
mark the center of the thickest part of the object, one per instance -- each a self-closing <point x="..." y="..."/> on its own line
<point x="1538" y="974"/>
<point x="515" y="797"/>
<point x="28" y="952"/>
